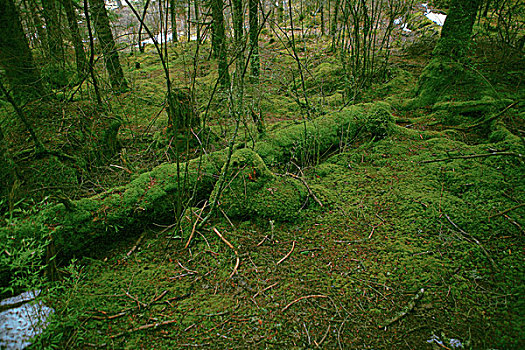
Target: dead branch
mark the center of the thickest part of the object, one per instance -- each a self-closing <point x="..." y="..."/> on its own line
<point x="136" y="244"/>
<point x="195" y="226"/>
<point x="302" y="298"/>
<point x="491" y="118"/>
<point x="507" y="210"/>
<point x="141" y="328"/>
<point x="231" y="246"/>
<point x="405" y="311"/>
<point x="471" y="239"/>
<point x="287" y="255"/>
<point x="307" y="187"/>
<point x="513" y="154"/>
<point x="265" y="289"/>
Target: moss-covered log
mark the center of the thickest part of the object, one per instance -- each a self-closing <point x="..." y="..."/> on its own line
<point x="79" y="226"/>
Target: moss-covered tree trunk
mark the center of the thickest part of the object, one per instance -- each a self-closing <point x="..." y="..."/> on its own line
<point x="76" y="38"/>
<point x="80" y="226"/>
<point x="457" y="29"/>
<point x="219" y="42"/>
<point x="254" y="39"/>
<point x="446" y="74"/>
<point x="183" y="114"/>
<point x="15" y="57"/>
<point x="107" y="45"/>
<point x="173" y="20"/>
<point x="54" y="32"/>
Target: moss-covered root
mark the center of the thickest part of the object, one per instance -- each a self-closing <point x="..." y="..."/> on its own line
<point x="253" y="190"/>
<point x="152" y="196"/>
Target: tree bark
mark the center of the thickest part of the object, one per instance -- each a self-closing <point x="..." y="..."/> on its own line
<point x="80" y="54"/>
<point x="15" y="55"/>
<point x="107" y="45"/>
<point x="254" y="39"/>
<point x="219" y="42"/>
<point x="457" y="29"/>
<point x="173" y="19"/>
<point x="54" y="32"/>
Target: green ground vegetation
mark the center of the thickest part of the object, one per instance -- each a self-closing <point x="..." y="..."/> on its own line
<point x="393" y="222"/>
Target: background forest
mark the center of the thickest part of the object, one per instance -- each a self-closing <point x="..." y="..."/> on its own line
<point x="266" y="174"/>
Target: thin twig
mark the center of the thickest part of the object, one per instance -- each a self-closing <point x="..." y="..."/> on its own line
<point x="302" y="298"/>
<point x="265" y="289"/>
<point x="287" y="255"/>
<point x="146" y="326"/>
<point x="185" y="268"/>
<point x="136" y="244"/>
<point x="234" y="250"/>
<point x="470" y="238"/>
<point x="195" y="226"/>
<point x="307" y="187"/>
<point x="513" y="154"/>
<point x="405" y="311"/>
<point x="507" y="210"/>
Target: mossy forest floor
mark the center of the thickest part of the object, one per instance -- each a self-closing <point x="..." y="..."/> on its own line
<point x="402" y="254"/>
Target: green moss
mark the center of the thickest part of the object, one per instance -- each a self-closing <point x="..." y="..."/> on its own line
<point x="255" y="191"/>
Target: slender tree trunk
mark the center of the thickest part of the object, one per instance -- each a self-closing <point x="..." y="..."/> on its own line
<point x="173" y="19"/>
<point x="75" y="37"/>
<point x="457" y="29"/>
<point x="219" y="42"/>
<point x="107" y="44"/>
<point x="141" y="25"/>
<point x="321" y="9"/>
<point x="333" y="28"/>
<point x="196" y="6"/>
<point x="15" y="56"/>
<point x="54" y="33"/>
<point x="92" y="54"/>
<point x="254" y="39"/>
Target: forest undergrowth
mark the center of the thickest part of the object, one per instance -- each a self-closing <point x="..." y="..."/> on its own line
<point x="410" y="235"/>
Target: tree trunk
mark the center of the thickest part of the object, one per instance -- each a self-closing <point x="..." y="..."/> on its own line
<point x="254" y="39"/>
<point x="321" y="9"/>
<point x="75" y="37"/>
<point x="219" y="42"/>
<point x="141" y="25"/>
<point x="457" y="29"/>
<point x="333" y="28"/>
<point x="15" y="56"/>
<point x="87" y="223"/>
<point x="54" y="33"/>
<point x="107" y="45"/>
<point x="445" y="75"/>
<point x="173" y="19"/>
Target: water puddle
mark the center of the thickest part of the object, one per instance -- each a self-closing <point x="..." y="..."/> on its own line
<point x="25" y="319"/>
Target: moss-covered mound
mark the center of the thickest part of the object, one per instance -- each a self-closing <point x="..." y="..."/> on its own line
<point x="253" y="190"/>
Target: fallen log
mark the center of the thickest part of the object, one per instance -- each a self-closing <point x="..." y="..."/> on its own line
<point x="85" y="224"/>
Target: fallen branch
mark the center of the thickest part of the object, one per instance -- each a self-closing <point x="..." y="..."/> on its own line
<point x="302" y="298"/>
<point x="265" y="289"/>
<point x="307" y="187"/>
<point x="491" y="118"/>
<point x="405" y="311"/>
<point x="195" y="225"/>
<point x="513" y="154"/>
<point x="507" y="210"/>
<point x="231" y="246"/>
<point x="470" y="238"/>
<point x="141" y="328"/>
<point x="287" y="255"/>
<point x="136" y="244"/>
